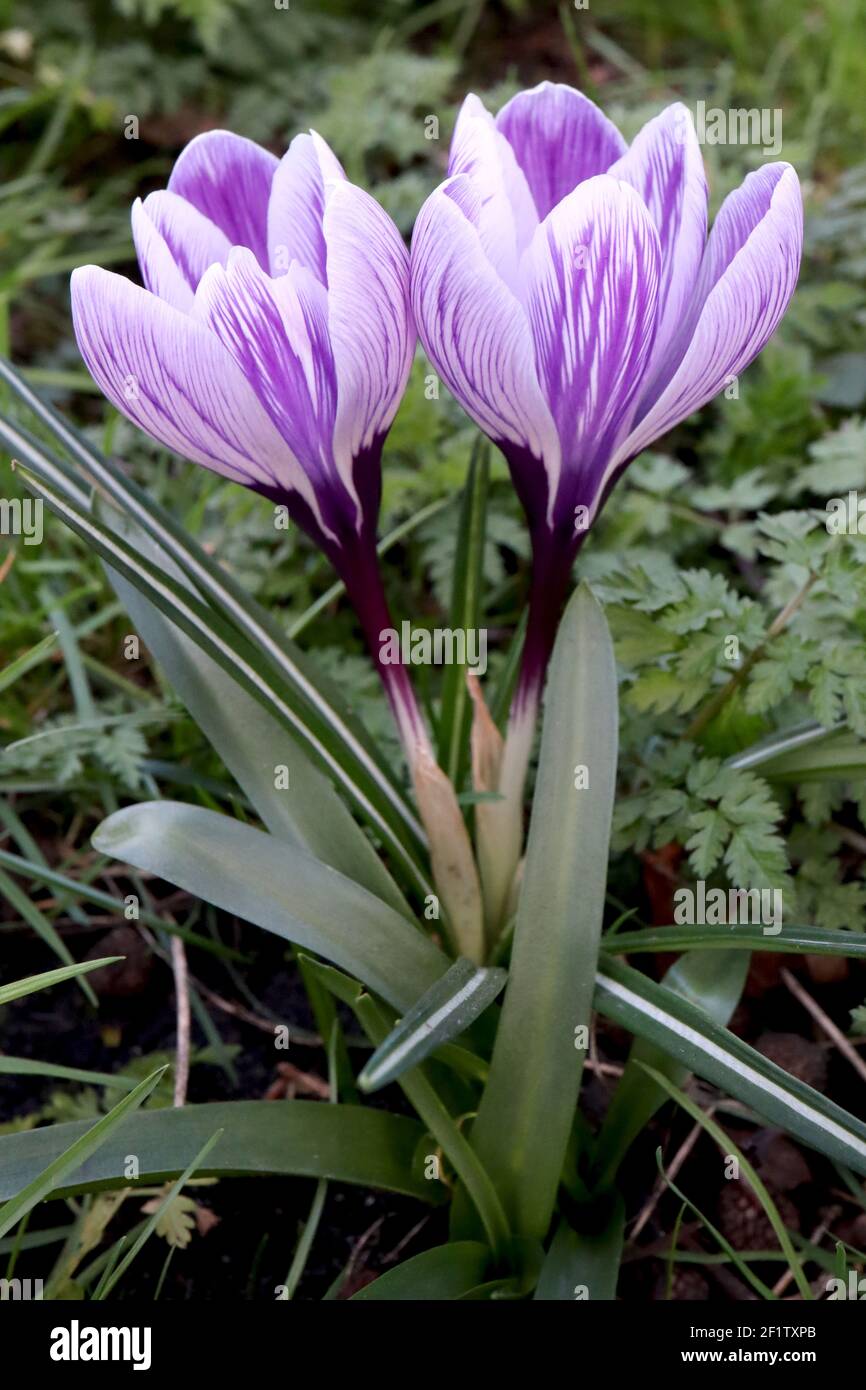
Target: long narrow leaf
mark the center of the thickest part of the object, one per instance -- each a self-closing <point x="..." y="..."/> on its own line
<point x="251" y="743"/>
<point x="584" y="1265"/>
<point x="436" y="1275"/>
<point x="528" y="1105"/>
<point x="249" y="666"/>
<point x="34" y="983"/>
<point x="443" y="1013"/>
<point x="690" y="1036"/>
<point x="430" y="1108"/>
<point x="793" y="939"/>
<point x="279" y="887"/>
<point x="298" y="1138"/>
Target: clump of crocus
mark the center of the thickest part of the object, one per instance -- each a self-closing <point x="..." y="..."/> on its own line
<point x="272" y="344"/>
<point x="565" y="289"/>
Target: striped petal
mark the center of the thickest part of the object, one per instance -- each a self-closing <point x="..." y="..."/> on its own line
<point x="228" y="178"/>
<point x="175" y="244"/>
<point x="664" y="165"/>
<point x="590" y="288"/>
<point x="475" y="331"/>
<point x="559" y="138"/>
<point x="276" y="332"/>
<point x="172" y="378"/>
<point x="372" y="332"/>
<point x="297" y="205"/>
<point x="504" y="214"/>
<point x="746" y="280"/>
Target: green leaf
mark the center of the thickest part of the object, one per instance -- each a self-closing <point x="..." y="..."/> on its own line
<point x="278" y="887"/>
<point x="809" y="753"/>
<point x="46" y="1180"/>
<point x="712" y="983"/>
<point x="441" y="1014"/>
<point x="28" y="1066"/>
<point x="33" y="983"/>
<point x="793" y="939"/>
<point x="445" y="1272"/>
<point x="467" y="585"/>
<point x="250" y="742"/>
<point x="527" y="1109"/>
<point x="42" y="926"/>
<point x="294" y="1138"/>
<point x="247" y="643"/>
<point x="588" y="1260"/>
<point x="431" y="1109"/>
<point x="11" y="673"/>
<point x="689" y="1036"/>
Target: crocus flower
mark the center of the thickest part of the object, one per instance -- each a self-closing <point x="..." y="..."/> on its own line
<point x="272" y="343"/>
<point x="565" y="290"/>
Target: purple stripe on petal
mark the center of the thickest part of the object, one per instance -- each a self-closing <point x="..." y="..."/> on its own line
<point x="559" y="138"/>
<point x="228" y="178"/>
<point x="371" y="328"/>
<point x="746" y="282"/>
<point x="175" y="245"/>
<point x="297" y="205"/>
<point x="664" y="165"/>
<point x="172" y="378"/>
<point x="590" y="290"/>
<point x="276" y="331"/>
<point x="475" y="331"/>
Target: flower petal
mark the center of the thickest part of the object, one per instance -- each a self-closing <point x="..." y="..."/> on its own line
<point x="371" y="327"/>
<point x="560" y="138"/>
<point x="228" y="178"/>
<point x="665" y="166"/>
<point x="504" y="214"/>
<point x="746" y="281"/>
<point x="175" y="244"/>
<point x="172" y="378"/>
<point x="475" y="331"/>
<point x="590" y="290"/>
<point x="276" y="331"/>
<point x="297" y="205"/>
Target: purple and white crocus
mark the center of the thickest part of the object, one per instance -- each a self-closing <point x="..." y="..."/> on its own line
<point x="565" y="289"/>
<point x="272" y="343"/>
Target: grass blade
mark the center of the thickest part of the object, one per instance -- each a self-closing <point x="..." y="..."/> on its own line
<point x="33" y="983"/>
<point x="70" y="1159"/>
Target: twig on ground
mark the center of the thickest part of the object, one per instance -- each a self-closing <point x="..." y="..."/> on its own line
<point x="825" y="1023"/>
